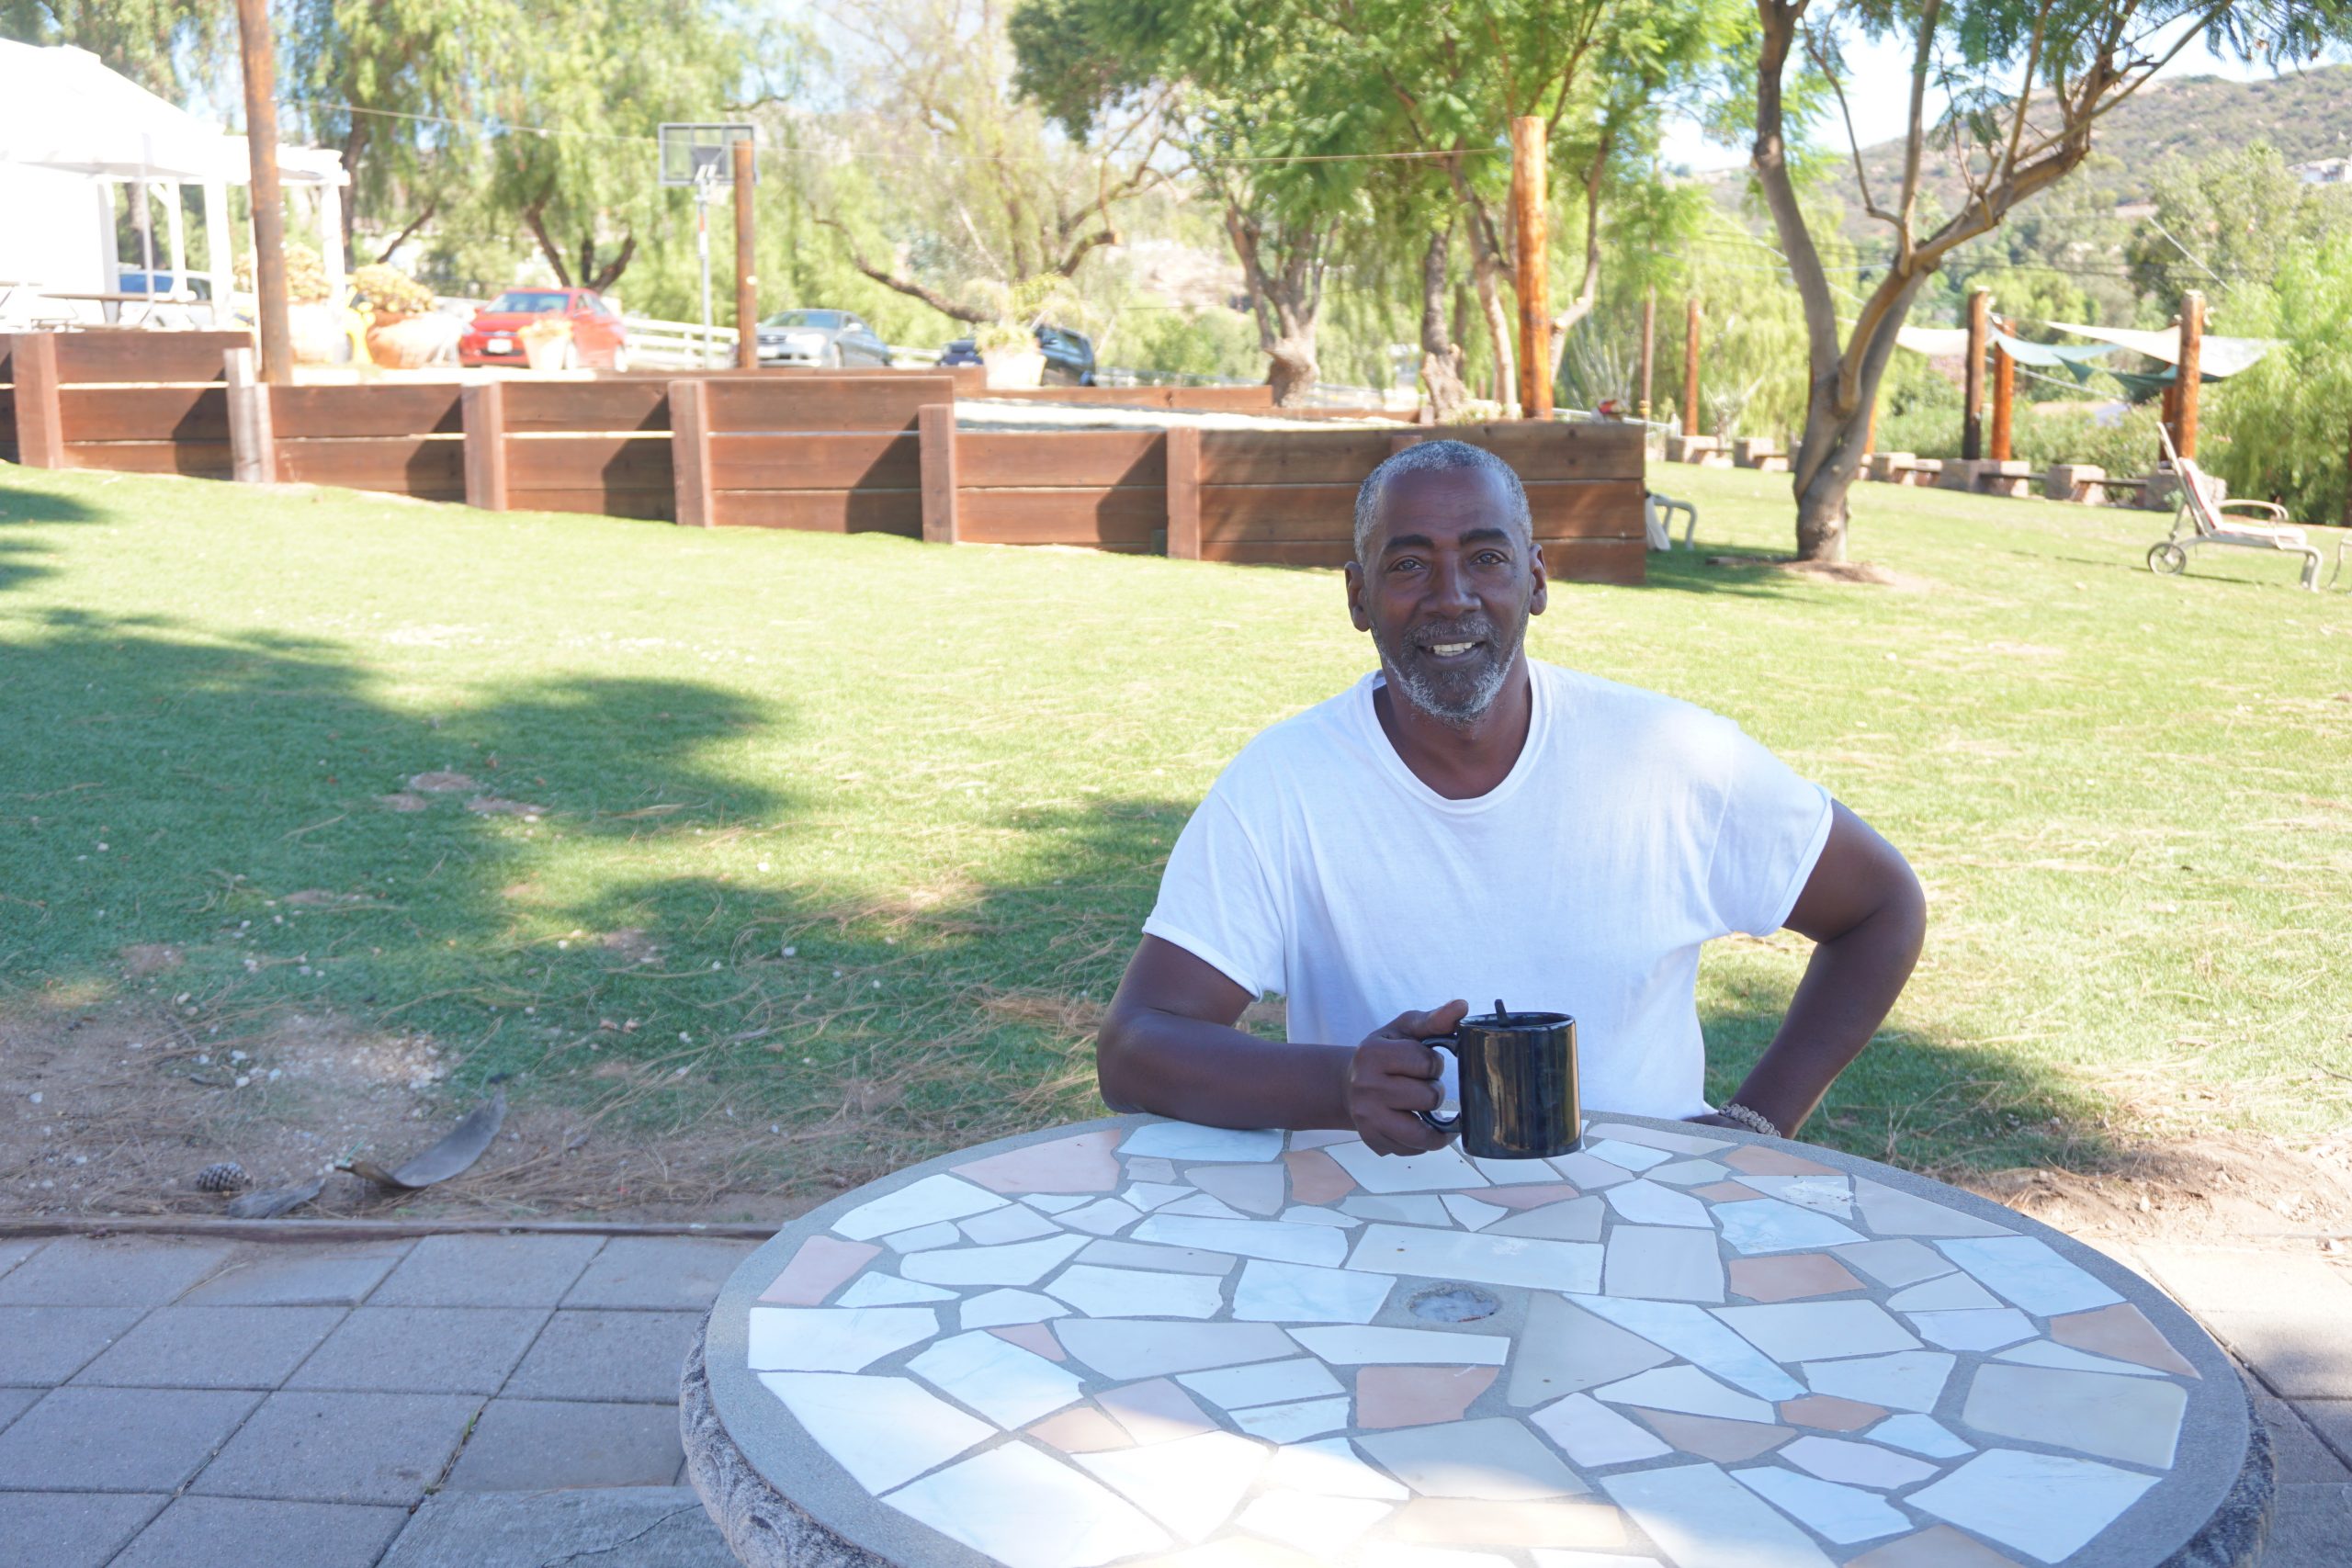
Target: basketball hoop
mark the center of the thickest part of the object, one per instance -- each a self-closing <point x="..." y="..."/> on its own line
<point x="701" y="157"/>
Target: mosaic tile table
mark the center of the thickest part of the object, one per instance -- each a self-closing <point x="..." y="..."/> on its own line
<point x="1144" y="1342"/>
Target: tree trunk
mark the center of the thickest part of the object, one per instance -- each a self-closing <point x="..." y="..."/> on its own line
<point x="1441" y="356"/>
<point x="1291" y="370"/>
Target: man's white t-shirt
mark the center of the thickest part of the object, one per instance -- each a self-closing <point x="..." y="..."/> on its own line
<point x="1633" y="829"/>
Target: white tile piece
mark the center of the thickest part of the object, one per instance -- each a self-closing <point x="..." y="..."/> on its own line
<point x="1294" y="1293"/>
<point x="1593" y="1436"/>
<point x="833" y="1340"/>
<point x="884" y="1431"/>
<point x="1361" y="1347"/>
<point x="1134" y="1348"/>
<point x="997" y="1308"/>
<point x="1920" y="1435"/>
<point x="1248" y="1238"/>
<point x="1769" y="1225"/>
<point x="1841" y="1514"/>
<point x="1021" y="1263"/>
<point x="1590" y="1172"/>
<point x="1321" y="1137"/>
<point x="1190" y="1485"/>
<point x="1155" y="1411"/>
<point x="888" y="1290"/>
<point x="2047" y="1505"/>
<point x="1024" y="1510"/>
<point x="1647" y="1203"/>
<point x="1953" y="1293"/>
<point x="2043" y="1353"/>
<point x="1803" y="1331"/>
<point x="1132" y="1292"/>
<point x="1405" y="1210"/>
<point x="1331" y="1468"/>
<point x="1496" y="1458"/>
<point x="1686" y="1391"/>
<point x="1146" y="1168"/>
<point x="1562" y="1350"/>
<point x="2136" y="1420"/>
<point x="1689" y="1172"/>
<point x="1890" y="1213"/>
<point x="2029" y="1274"/>
<point x="1832" y="1195"/>
<point x="1253" y="1189"/>
<point x="1151" y="1195"/>
<point x="1201" y="1206"/>
<point x="1855" y="1465"/>
<point x="1483" y="1259"/>
<point x="1009" y="1385"/>
<point x="1185" y="1141"/>
<point x="1269" y="1383"/>
<point x="927" y="1201"/>
<point x="1910" y="1380"/>
<point x="1104" y="1216"/>
<point x="1012" y="1222"/>
<point x="1173" y="1260"/>
<point x="1470" y="1214"/>
<point x="1309" y="1214"/>
<point x="1690" y="1333"/>
<point x="1657" y="1138"/>
<point x="1289" y="1423"/>
<point x="1571" y="1219"/>
<point x="1549" y="1556"/>
<point x="1663" y="1263"/>
<point x="1309" y="1522"/>
<point x="1514" y="1172"/>
<point x="1987" y="1330"/>
<point x="1396" y="1554"/>
<point x="1440" y="1170"/>
<point x="1894" y="1263"/>
<point x="923" y="1238"/>
<point x="1701" y="1518"/>
<point x="1625" y="1155"/>
<point x="1056" y="1202"/>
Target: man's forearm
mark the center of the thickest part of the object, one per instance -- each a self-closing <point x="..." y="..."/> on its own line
<point x="1847" y="992"/>
<point x="1197" y="1071"/>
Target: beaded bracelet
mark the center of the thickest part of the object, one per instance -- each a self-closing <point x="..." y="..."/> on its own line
<point x="1754" y="1121"/>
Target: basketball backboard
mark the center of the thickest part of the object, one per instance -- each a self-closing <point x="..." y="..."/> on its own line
<point x="701" y="155"/>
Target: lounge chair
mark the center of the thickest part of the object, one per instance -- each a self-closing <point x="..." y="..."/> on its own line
<point x="2205" y="521"/>
<point x="1657" y="520"/>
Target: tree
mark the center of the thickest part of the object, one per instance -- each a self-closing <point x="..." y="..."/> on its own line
<point x="2233" y="218"/>
<point x="2026" y="83"/>
<point x="2286" y="423"/>
<point x="163" y="45"/>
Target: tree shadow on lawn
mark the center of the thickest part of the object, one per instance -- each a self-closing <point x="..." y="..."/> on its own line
<point x="18" y="547"/>
<point x="1722" y="570"/>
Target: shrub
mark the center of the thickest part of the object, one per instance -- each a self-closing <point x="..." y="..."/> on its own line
<point x="392" y="291"/>
<point x="306" y="274"/>
<point x="2280" y="427"/>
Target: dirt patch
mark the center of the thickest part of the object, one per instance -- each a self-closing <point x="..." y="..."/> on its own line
<point x="498" y="805"/>
<point x="442" y="784"/>
<point x="403" y="800"/>
<point x="2227" y="1188"/>
<point x="145" y="958"/>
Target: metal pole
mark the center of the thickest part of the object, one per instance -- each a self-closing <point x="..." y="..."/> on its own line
<point x="747" y="282"/>
<point x="1972" y="427"/>
<point x="702" y="249"/>
<point x="2192" y="367"/>
<point x="1649" y="351"/>
<point x="269" y="203"/>
<point x="1528" y="157"/>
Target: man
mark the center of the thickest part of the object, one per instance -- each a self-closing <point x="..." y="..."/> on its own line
<point x="1467" y="821"/>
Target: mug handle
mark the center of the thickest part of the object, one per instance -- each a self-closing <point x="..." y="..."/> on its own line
<point x="1434" y="1119"/>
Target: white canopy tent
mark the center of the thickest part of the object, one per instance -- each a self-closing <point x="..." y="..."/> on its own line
<point x="70" y="130"/>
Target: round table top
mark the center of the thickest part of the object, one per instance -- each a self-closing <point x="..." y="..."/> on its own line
<point x="1142" y="1341"/>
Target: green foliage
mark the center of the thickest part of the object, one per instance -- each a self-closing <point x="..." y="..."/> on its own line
<point x="2237" y="215"/>
<point x="169" y="47"/>
<point x="306" y="274"/>
<point x="2119" y="438"/>
<point x="2280" y="429"/>
<point x="1208" y="342"/>
<point x="391" y="290"/>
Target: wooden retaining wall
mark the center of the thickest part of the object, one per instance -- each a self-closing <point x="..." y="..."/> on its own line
<point x="130" y="402"/>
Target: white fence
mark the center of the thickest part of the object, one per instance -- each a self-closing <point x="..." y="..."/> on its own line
<point x="677" y="345"/>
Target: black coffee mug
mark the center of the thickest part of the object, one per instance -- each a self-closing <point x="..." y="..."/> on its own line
<point x="1517" y="1075"/>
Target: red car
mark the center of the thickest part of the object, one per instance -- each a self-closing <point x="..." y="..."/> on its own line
<point x="599" y="340"/>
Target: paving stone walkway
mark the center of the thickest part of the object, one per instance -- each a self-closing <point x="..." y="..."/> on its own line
<point x="509" y="1402"/>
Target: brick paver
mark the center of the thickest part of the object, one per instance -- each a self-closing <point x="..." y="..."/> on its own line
<point x="206" y="1347"/>
<point x="607" y="1355"/>
<point x="43" y="1346"/>
<point x="74" y="1271"/>
<point x="277" y="1275"/>
<point x="244" y="1532"/>
<point x="529" y="1444"/>
<point x="117" y="1440"/>
<point x="341" y="1448"/>
<point x="677" y="1272"/>
<point x="69" y="1529"/>
<point x="486" y="1270"/>
<point x="423" y="1349"/>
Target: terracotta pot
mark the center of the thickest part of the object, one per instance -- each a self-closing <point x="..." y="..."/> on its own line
<point x="1014" y="368"/>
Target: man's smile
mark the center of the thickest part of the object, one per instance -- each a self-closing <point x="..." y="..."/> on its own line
<point x="1451" y="649"/>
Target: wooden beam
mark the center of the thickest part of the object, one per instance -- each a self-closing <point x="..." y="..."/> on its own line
<point x="1972" y="425"/>
<point x="935" y="441"/>
<point x="483" y="409"/>
<point x="1530" y="155"/>
<point x="747" y="282"/>
<point x="2005" y="391"/>
<point x="1649" y="352"/>
<point x="1690" y="368"/>
<point x="253" y="439"/>
<point x="1184" y="492"/>
<point x="690" y="452"/>
<point x="2192" y="364"/>
<point x="41" y="414"/>
<point x="259" y="55"/>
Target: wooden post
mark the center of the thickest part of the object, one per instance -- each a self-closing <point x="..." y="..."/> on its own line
<point x="936" y="437"/>
<point x="747" y="282"/>
<point x="2169" y="416"/>
<point x="1691" y="369"/>
<point x="1972" y="426"/>
<point x="253" y="442"/>
<point x="1528" y="154"/>
<point x="269" y="202"/>
<point x="1184" y="492"/>
<point x="40" y="426"/>
<point x="690" y="452"/>
<point x="1649" y="351"/>
<point x="483" y="410"/>
<point x="2005" y="391"/>
<point x="2192" y="367"/>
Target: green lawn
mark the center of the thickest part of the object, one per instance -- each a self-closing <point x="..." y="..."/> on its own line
<point x="886" y="817"/>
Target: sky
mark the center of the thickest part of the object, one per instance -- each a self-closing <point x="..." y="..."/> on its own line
<point x="1879" y="92"/>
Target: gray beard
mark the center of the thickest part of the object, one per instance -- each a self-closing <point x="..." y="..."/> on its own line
<point x="1457" y="699"/>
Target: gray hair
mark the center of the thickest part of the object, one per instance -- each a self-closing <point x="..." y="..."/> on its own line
<point x="1440" y="457"/>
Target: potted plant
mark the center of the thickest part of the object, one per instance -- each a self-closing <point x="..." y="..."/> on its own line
<point x="1008" y="345"/>
<point x="546" y="343"/>
<point x="393" y="299"/>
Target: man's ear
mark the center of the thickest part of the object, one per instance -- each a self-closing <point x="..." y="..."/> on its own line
<point x="1354" y="574"/>
<point x="1537" y="600"/>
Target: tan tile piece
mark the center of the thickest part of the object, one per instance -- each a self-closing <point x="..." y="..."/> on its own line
<point x="2121" y="1331"/>
<point x="1791" y="1276"/>
<point x="1082" y="1164"/>
<point x="1316" y="1178"/>
<point x="1416" y="1397"/>
<point x="1534" y="1195"/>
<point x="1033" y="1336"/>
<point x="1235" y="1551"/>
<point x="821" y="1266"/>
<point x="1939" y="1546"/>
<point x="1082" y="1429"/>
<point x="1725" y="1192"/>
<point x="1758" y="1161"/>
<point x="1155" y="1411"/>
<point x="1828" y="1413"/>
<point x="1709" y="1437"/>
<point x="1467" y="1522"/>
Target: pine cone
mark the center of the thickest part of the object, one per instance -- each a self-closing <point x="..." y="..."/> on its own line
<point x="227" y="1176"/>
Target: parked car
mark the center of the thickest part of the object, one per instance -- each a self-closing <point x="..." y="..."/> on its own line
<point x="830" y="339"/>
<point x="599" y="340"/>
<point x="1070" y="356"/>
<point x="136" y="282"/>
